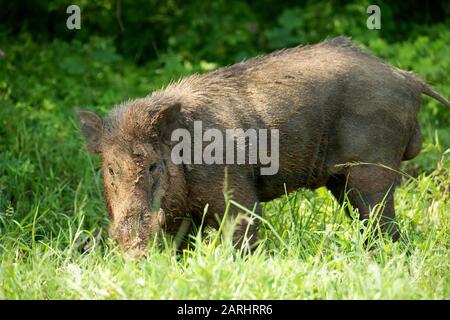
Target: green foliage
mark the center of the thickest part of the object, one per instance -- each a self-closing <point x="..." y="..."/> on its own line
<point x="53" y="239"/>
<point x="222" y="31"/>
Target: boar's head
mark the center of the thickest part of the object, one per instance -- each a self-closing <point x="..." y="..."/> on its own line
<point x="144" y="190"/>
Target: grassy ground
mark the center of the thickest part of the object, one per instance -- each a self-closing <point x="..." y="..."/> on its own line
<point x="53" y="241"/>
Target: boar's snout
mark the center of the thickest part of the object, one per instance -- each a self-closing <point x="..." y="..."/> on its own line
<point x="133" y="231"/>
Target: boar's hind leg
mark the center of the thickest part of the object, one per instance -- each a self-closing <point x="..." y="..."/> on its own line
<point x="370" y="189"/>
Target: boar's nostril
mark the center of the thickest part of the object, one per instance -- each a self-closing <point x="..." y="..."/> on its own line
<point x="136" y="252"/>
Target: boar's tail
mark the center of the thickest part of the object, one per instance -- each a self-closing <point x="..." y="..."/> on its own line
<point x="432" y="93"/>
<point x="426" y="89"/>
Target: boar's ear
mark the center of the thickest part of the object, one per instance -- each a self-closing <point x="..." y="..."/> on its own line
<point x="165" y="120"/>
<point x="92" y="127"/>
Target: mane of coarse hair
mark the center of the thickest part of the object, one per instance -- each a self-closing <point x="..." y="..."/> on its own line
<point x="127" y="122"/>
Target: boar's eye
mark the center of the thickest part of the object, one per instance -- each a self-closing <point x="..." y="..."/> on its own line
<point x="111" y="171"/>
<point x="152" y="168"/>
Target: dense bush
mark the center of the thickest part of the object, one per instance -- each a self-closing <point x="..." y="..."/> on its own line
<point x="223" y="31"/>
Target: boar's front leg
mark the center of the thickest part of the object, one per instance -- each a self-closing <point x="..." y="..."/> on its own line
<point x="368" y="186"/>
<point x="336" y="185"/>
<point x="241" y="189"/>
<point x="245" y="232"/>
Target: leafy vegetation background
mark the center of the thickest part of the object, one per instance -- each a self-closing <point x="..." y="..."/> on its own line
<point x="53" y="239"/>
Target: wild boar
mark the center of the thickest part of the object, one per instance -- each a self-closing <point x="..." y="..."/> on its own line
<point x="346" y="120"/>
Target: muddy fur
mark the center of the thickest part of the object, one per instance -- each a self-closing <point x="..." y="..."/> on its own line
<point x="333" y="104"/>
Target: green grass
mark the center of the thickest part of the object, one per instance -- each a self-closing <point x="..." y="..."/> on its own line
<point x="53" y="239"/>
